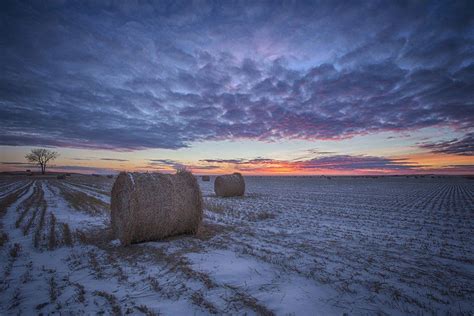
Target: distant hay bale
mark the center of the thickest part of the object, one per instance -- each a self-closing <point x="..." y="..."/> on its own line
<point x="229" y="185"/>
<point x="110" y="176"/>
<point x="206" y="178"/>
<point x="152" y="206"/>
<point x="61" y="176"/>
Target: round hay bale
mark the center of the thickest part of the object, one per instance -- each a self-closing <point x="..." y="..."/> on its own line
<point x="152" y="206"/>
<point x="61" y="176"/>
<point x="206" y="178"/>
<point x="229" y="185"/>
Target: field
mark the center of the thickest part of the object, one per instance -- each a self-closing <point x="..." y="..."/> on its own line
<point x="292" y="245"/>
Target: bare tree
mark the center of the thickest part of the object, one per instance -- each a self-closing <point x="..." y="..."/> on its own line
<point x="41" y="157"/>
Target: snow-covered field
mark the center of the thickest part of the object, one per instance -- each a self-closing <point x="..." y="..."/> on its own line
<point x="303" y="246"/>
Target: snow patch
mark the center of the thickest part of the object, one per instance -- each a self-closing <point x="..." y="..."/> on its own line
<point x="285" y="294"/>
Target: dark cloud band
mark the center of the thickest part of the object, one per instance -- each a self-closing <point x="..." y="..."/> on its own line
<point x="334" y="162"/>
<point x="464" y="146"/>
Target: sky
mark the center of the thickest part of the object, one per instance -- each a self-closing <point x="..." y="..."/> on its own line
<point x="271" y="88"/>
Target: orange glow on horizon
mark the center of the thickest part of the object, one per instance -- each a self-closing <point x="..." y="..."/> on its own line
<point x="422" y="163"/>
<point x="433" y="160"/>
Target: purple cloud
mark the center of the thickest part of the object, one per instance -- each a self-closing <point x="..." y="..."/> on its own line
<point x="464" y="146"/>
<point x="165" y="75"/>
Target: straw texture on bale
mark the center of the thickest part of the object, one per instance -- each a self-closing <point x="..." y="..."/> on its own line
<point x="229" y="185"/>
<point x="206" y="178"/>
<point x="152" y="206"/>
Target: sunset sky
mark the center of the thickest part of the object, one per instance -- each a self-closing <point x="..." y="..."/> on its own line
<point x="290" y="87"/>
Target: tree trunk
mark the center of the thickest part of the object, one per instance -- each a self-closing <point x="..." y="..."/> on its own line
<point x="43" y="169"/>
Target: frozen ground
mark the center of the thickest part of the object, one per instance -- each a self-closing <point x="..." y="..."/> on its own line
<point x="303" y="246"/>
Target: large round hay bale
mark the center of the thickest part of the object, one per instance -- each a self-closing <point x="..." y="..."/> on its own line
<point x="152" y="206"/>
<point x="229" y="185"/>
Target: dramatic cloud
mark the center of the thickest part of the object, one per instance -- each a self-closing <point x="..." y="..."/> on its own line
<point x="122" y="77"/>
<point x="464" y="146"/>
